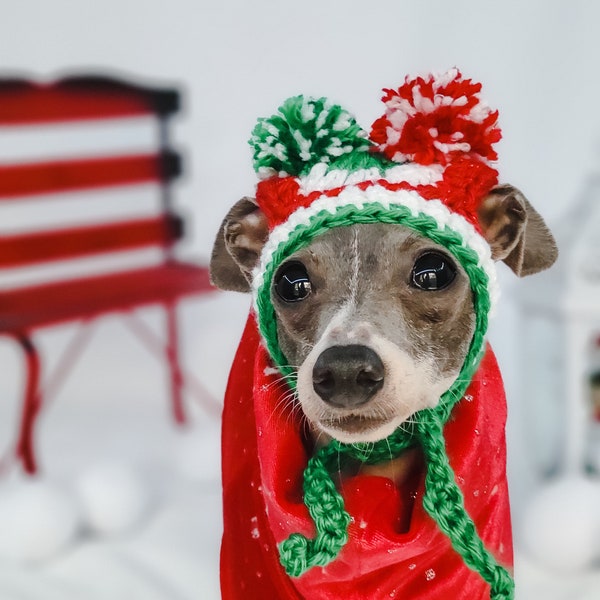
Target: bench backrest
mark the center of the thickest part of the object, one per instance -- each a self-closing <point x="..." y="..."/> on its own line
<point x="85" y="168"/>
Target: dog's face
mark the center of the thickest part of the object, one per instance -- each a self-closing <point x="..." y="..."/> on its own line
<point x="376" y="319"/>
<point x="376" y="335"/>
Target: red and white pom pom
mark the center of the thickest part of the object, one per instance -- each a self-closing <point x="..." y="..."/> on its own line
<point x="435" y="118"/>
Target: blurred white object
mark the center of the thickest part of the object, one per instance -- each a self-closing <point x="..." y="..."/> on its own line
<point x="114" y="498"/>
<point x="198" y="454"/>
<point x="560" y="322"/>
<point x="561" y="524"/>
<point x="38" y="520"/>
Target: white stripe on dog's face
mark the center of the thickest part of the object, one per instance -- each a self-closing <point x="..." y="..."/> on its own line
<point x="362" y="294"/>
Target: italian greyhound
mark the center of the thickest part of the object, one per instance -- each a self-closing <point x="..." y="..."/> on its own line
<point x="370" y="258"/>
<point x="374" y="318"/>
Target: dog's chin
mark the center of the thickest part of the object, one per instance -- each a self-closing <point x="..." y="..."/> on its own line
<point x="355" y="429"/>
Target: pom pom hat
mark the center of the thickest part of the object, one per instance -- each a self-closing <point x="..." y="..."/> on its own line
<point x="426" y="166"/>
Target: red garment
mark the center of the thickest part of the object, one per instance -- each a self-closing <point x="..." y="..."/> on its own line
<point x="263" y="462"/>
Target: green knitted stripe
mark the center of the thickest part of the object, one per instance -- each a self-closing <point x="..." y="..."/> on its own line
<point x="363" y="160"/>
<point x="443" y="499"/>
<point x="394" y="215"/>
<point x="444" y="502"/>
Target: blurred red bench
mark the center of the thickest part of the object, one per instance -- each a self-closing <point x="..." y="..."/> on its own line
<point x="80" y="178"/>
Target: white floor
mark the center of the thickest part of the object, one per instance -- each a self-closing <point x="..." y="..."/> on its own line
<point x="114" y="410"/>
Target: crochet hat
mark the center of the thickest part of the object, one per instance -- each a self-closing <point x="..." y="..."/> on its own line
<point x="425" y="165"/>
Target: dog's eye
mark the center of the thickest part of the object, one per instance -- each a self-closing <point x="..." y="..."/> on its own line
<point x="433" y="271"/>
<point x="292" y="283"/>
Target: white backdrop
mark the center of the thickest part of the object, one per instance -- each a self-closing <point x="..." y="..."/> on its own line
<point x="238" y="59"/>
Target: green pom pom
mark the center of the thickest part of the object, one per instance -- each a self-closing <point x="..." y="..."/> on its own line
<point x="303" y="133"/>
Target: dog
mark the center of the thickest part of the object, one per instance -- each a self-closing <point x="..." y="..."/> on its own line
<point x="376" y="321"/>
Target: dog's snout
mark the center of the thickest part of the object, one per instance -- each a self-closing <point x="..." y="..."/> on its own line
<point x="348" y="376"/>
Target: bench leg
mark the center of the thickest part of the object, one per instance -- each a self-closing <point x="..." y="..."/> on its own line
<point x="32" y="402"/>
<point x="174" y="365"/>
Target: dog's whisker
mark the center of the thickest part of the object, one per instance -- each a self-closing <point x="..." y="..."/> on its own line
<point x="389" y="447"/>
<point x="295" y="414"/>
<point x="282" y="381"/>
<point x="288" y="401"/>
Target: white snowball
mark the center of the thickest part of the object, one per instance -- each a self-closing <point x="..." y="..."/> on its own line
<point x="198" y="454"/>
<point x="114" y="498"/>
<point x="37" y="520"/>
<point x="561" y="525"/>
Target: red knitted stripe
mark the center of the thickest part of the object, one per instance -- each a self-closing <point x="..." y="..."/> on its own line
<point x="465" y="183"/>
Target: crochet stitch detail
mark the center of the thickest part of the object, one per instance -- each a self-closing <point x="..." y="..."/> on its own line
<point x="305" y="132"/>
<point x="374" y="212"/>
<point x="432" y="119"/>
<point x="443" y="499"/>
<point x="425" y="166"/>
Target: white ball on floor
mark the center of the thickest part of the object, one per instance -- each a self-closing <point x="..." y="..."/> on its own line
<point x="561" y="525"/>
<point x="37" y="520"/>
<point x="114" y="498"/>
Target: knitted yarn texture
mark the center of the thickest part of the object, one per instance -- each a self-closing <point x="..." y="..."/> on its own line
<point x="320" y="170"/>
<point x="443" y="499"/>
<point x="394" y="548"/>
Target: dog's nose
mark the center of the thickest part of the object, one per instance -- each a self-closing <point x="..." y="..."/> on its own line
<point x="348" y="376"/>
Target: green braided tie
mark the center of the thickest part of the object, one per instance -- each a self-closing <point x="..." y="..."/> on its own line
<point x="444" y="502"/>
<point x="298" y="554"/>
<point x="443" y="499"/>
<point x="326" y="508"/>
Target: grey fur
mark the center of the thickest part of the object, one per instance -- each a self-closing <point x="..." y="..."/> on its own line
<point x="362" y="293"/>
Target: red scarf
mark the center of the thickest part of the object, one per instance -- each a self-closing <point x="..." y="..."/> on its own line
<point x="395" y="549"/>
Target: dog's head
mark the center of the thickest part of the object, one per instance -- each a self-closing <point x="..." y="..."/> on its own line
<point x="376" y="318"/>
<point x="371" y="257"/>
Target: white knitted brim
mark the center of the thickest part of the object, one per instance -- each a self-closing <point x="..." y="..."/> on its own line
<point x="376" y="194"/>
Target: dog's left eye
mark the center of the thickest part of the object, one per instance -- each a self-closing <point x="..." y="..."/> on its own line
<point x="292" y="282"/>
<point x="433" y="271"/>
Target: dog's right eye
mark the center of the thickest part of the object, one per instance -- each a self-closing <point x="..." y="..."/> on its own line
<point x="292" y="283"/>
<point x="433" y="272"/>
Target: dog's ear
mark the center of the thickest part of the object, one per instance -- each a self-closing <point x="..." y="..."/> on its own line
<point x="238" y="246"/>
<point x="516" y="232"/>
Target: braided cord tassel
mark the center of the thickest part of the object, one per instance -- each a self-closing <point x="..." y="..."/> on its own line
<point x="326" y="507"/>
<point x="443" y="499"/>
<point x="444" y="502"/>
<point x="325" y="504"/>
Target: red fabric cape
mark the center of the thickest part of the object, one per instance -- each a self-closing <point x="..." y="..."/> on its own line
<point x="395" y="549"/>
